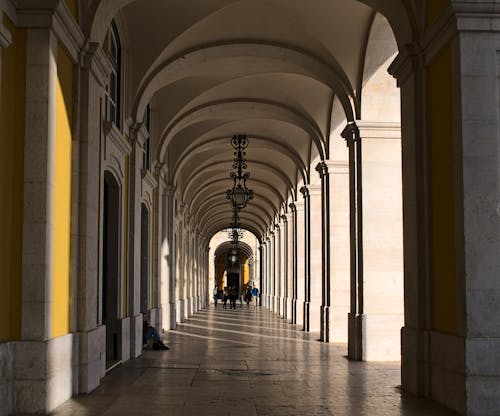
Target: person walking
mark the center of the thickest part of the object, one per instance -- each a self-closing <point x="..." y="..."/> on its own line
<point x="225" y="297"/>
<point x="255" y="295"/>
<point x="248" y="296"/>
<point x="216" y="295"/>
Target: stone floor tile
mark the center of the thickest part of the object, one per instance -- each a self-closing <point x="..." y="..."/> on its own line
<point x="249" y="363"/>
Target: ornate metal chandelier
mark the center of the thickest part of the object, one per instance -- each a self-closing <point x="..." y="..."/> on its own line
<point x="239" y="195"/>
<point x="235" y="233"/>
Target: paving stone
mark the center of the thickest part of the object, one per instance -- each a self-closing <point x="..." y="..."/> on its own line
<point x="249" y="363"/>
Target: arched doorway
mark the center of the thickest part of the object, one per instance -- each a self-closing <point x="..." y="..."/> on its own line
<point x="233" y="265"/>
<point x="111" y="304"/>
<point x="145" y="262"/>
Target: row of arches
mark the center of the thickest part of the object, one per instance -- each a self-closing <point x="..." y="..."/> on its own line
<point x="138" y="119"/>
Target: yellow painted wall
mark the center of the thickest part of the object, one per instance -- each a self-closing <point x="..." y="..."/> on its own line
<point x="62" y="193"/>
<point x="73" y="7"/>
<point x="443" y="256"/>
<point x="435" y="8"/>
<point x="12" y="115"/>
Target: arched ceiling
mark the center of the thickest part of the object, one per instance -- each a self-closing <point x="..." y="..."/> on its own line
<point x="269" y="69"/>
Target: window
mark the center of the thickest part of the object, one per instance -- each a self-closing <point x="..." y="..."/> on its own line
<point x="113" y="49"/>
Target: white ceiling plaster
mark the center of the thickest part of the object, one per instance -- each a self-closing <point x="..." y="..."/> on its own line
<point x="266" y="68"/>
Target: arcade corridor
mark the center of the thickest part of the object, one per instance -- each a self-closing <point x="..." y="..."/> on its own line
<point x="338" y="157"/>
<point x="245" y="362"/>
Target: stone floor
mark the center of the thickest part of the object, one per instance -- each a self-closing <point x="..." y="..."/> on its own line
<point x="248" y="362"/>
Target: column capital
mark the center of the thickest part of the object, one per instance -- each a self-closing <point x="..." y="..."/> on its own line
<point x="299" y="206"/>
<point x="305" y="191"/>
<point x="322" y="169"/>
<point x="310" y="190"/>
<point x="93" y="57"/>
<point x="351" y="133"/>
<point x="55" y="16"/>
<point x="409" y="59"/>
<point x="293" y="207"/>
<point x="284" y="218"/>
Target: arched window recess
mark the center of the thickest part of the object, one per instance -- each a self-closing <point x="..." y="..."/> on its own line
<point x="113" y="48"/>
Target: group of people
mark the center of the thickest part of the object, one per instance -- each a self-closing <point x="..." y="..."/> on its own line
<point x="151" y="339"/>
<point x="251" y="295"/>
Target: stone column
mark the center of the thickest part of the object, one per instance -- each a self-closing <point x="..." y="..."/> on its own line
<point x="31" y="383"/>
<point x="167" y="259"/>
<point x="326" y="284"/>
<point x="134" y="245"/>
<point x="313" y="252"/>
<point x="91" y="332"/>
<point x="339" y="249"/>
<point x="287" y="265"/>
<point x="307" y="257"/>
<point x="261" y="272"/>
<point x="270" y="265"/>
<point x="265" y="288"/>
<point x="292" y="261"/>
<point x="301" y="262"/>
<point x="280" y="242"/>
<point x="274" y="268"/>
<point x="408" y="68"/>
<point x="356" y="316"/>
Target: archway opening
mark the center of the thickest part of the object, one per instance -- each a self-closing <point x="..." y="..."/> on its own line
<point x="111" y="270"/>
<point x="145" y="262"/>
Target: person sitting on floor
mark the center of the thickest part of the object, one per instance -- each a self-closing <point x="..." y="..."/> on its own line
<point x="151" y="337"/>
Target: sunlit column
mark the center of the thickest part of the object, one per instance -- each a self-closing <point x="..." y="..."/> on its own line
<point x="301" y="263"/>
<point x="167" y="260"/>
<point x="261" y="272"/>
<point x="284" y="263"/>
<point x="307" y="257"/>
<point x="279" y="267"/>
<point x="293" y="263"/>
<point x="274" y="265"/>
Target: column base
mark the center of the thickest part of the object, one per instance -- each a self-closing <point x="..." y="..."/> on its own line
<point x="136" y="327"/>
<point x="293" y="312"/>
<point x="180" y="311"/>
<point x="356" y="336"/>
<point x="172" y="318"/>
<point x="125" y="338"/>
<point x="274" y="306"/>
<point x="306" y="309"/>
<point x="43" y="374"/>
<point x="92" y="358"/>
<point x="325" y="323"/>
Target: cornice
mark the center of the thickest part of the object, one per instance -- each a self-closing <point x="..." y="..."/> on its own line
<point x="115" y="136"/>
<point x="94" y="58"/>
<point x="148" y="179"/>
<point x="409" y="58"/>
<point x="55" y="15"/>
<point x="337" y="166"/>
<point x="5" y="36"/>
<point x="379" y="130"/>
<point x="142" y="134"/>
